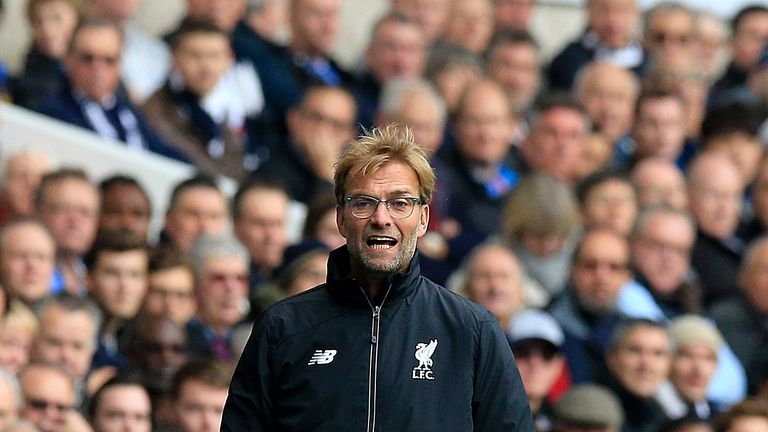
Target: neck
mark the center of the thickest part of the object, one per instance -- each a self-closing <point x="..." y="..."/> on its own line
<point x="373" y="284"/>
<point x="535" y="404"/>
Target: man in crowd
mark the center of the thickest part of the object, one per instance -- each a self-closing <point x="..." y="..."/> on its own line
<point x="514" y="61"/>
<point x="125" y="206"/>
<point x="170" y="287"/>
<point x="50" y="399"/>
<point x="27" y="260"/>
<point x="199" y="391"/>
<point x="196" y="207"/>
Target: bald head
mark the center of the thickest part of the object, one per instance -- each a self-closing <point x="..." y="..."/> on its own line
<point x="715" y="192"/>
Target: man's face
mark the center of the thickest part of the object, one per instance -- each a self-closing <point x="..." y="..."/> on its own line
<point x="556" y="142"/>
<point x="117" y="10"/>
<point x="224" y="14"/>
<point x="9" y="409"/>
<point x="261" y="226"/>
<point x="470" y="24"/>
<point x="749" y="38"/>
<point x="396" y="51"/>
<point x="27" y="260"/>
<point x="600" y="270"/>
<point x="613" y="21"/>
<point x="671" y="32"/>
<point x="641" y="361"/>
<point x="200" y="406"/>
<point x="611" y="204"/>
<point x="609" y="94"/>
<point x="662" y="251"/>
<point x="163" y="347"/>
<point x="123" y="408"/>
<point x="52" y="25"/>
<point x="222" y="291"/>
<point x="494" y="281"/>
<point x="125" y="208"/>
<point x="744" y="150"/>
<point x="692" y="369"/>
<point x="199" y="211"/>
<point x="420" y="112"/>
<point x="753" y="278"/>
<point x="66" y="338"/>
<point x="49" y="398"/>
<point x="380" y="244"/>
<point x="429" y="14"/>
<point x="118" y="281"/>
<point x="514" y="14"/>
<point x="23" y="172"/>
<point x="660" y="182"/>
<point x="171" y="294"/>
<point x="660" y="128"/>
<point x="540" y="365"/>
<point x="315" y="25"/>
<point x="70" y="208"/>
<point x="715" y="200"/>
<point x="484" y="126"/>
<point x="93" y="63"/>
<point x="516" y="67"/>
<point x="202" y="59"/>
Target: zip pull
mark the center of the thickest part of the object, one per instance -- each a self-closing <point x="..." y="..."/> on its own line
<point x="376" y="315"/>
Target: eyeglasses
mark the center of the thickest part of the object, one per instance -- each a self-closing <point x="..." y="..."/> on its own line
<point x="43" y="405"/>
<point x="91" y="58"/>
<point x="218" y="277"/>
<point x="363" y="206"/>
<point x="612" y="266"/>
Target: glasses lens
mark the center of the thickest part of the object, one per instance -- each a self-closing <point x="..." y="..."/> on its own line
<point x="400" y="207"/>
<point x="364" y="206"/>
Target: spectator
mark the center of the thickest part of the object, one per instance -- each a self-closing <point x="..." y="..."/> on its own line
<point x="117" y="280"/>
<point x="320" y="223"/>
<point x="494" y="279"/>
<point x="556" y="140"/>
<point x="715" y="189"/>
<point x="125" y="206"/>
<point x="595" y="156"/>
<point x="429" y="14"/>
<point x="659" y="181"/>
<point x="68" y="203"/>
<point x="749" y="415"/>
<point x="52" y="23"/>
<point x="68" y="336"/>
<point x="27" y="260"/>
<point x="739" y="314"/>
<point x="541" y="223"/>
<point x="451" y="70"/>
<point x="608" y="93"/>
<point x="221" y="263"/>
<point x="269" y="19"/>
<point x="669" y="30"/>
<point x="608" y="200"/>
<point x="196" y="207"/>
<point x="659" y="129"/>
<point x="515" y="15"/>
<point x="696" y="345"/>
<point x="90" y="97"/>
<point x="199" y="391"/>
<point x="710" y="42"/>
<point x="588" y="406"/>
<point x="587" y="310"/>
<point x="469" y="25"/>
<point x="514" y="61"/>
<point x="757" y="224"/>
<point x="145" y="58"/>
<point x="260" y="211"/>
<point x="318" y="129"/>
<point x="10" y="399"/>
<point x="536" y="339"/>
<point x="121" y="404"/>
<point x="638" y="362"/>
<point x="187" y="110"/>
<point x="49" y="399"/>
<point x="18" y="187"/>
<point x="609" y="35"/>
<point x="397" y="50"/>
<point x="170" y="287"/>
<point x="416" y="104"/>
<point x="18" y="329"/>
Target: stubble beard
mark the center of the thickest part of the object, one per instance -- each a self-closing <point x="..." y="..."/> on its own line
<point x="368" y="261"/>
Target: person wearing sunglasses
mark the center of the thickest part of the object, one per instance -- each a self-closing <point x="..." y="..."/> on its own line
<point x="378" y="346"/>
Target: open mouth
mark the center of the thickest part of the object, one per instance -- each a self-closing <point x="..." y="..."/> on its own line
<point x="381" y="242"/>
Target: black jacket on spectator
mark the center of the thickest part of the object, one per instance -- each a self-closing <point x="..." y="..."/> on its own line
<point x="366" y="366"/>
<point x="41" y="78"/>
<point x="717" y="263"/>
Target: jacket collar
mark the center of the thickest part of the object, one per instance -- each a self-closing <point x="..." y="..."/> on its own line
<point x="342" y="285"/>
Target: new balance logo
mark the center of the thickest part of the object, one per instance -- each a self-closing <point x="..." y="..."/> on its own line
<point x="321" y="357"/>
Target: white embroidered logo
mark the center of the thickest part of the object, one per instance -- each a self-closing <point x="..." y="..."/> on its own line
<point x="424" y="355"/>
<point x="321" y="357"/>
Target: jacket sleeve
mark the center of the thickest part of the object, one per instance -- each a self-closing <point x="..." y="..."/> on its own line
<point x="499" y="402"/>
<point x="249" y="403"/>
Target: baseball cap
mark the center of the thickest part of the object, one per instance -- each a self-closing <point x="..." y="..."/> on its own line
<point x="590" y="405"/>
<point x="535" y="324"/>
<point x="695" y="330"/>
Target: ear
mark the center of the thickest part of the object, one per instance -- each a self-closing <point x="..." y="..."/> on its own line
<point x="340" y="220"/>
<point x="423" y="221"/>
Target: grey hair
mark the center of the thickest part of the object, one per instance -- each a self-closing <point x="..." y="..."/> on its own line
<point x="647" y="213"/>
<point x="71" y="303"/>
<point x="394" y="92"/>
<point x="224" y="245"/>
<point x="13" y="384"/>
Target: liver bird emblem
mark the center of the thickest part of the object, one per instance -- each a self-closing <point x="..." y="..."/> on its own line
<point x="424" y="354"/>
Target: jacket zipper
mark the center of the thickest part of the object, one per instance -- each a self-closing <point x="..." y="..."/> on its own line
<point x="373" y="359"/>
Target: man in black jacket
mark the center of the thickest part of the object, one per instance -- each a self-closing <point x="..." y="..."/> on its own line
<point x="378" y="347"/>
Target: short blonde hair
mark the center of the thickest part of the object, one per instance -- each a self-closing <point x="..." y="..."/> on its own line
<point x="377" y="147"/>
<point x="19" y="318"/>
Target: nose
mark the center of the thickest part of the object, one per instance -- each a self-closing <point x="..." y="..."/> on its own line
<point x="381" y="215"/>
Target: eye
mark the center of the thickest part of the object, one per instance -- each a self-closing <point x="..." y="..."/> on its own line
<point x="400" y="203"/>
<point x="362" y="203"/>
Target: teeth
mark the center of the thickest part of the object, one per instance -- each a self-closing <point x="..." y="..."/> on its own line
<point x="381" y="246"/>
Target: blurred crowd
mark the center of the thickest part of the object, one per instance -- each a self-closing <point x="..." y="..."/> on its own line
<point x="609" y="206"/>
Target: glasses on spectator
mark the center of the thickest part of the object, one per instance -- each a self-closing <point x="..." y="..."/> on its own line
<point x="223" y="277"/>
<point x="664" y="38"/>
<point x="363" y="206"/>
<point x="44" y="405"/>
<point x="594" y="264"/>
<point x="91" y="58"/>
<point x="528" y="349"/>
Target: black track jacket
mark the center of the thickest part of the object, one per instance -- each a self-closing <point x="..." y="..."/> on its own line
<point x="421" y="358"/>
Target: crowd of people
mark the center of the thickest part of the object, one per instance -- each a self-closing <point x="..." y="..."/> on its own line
<point x="609" y="206"/>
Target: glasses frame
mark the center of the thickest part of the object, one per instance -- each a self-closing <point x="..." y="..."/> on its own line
<point x="415" y="201"/>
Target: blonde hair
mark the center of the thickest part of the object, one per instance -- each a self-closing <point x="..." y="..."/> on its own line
<point x="377" y="147"/>
<point x="19" y="318"/>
